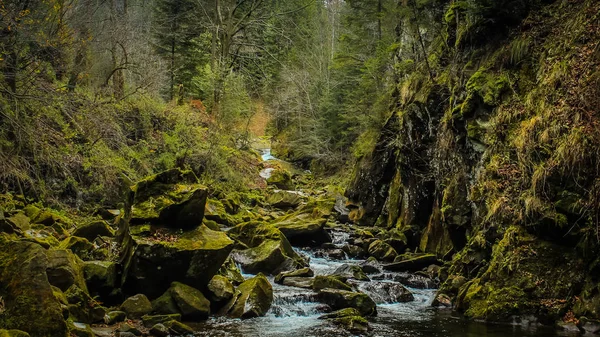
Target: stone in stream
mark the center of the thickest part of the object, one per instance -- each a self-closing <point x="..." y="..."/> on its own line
<point x="350" y="271"/>
<point x="387" y="292"/>
<point x="382" y="251"/>
<point x="193" y="257"/>
<point x="302" y="231"/>
<point x="302" y="272"/>
<point x="219" y="290"/>
<point x="253" y="298"/>
<point x="267" y="249"/>
<point x="182" y="299"/>
<point x="340" y="299"/>
<point x="355" y="252"/>
<point x="412" y="263"/>
<point x="350" y="319"/>
<point x="30" y="303"/>
<point x="299" y="282"/>
<point x="329" y="282"/>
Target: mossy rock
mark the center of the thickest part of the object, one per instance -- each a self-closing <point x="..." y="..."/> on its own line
<point x="382" y="251"/>
<point x="82" y="308"/>
<point x="282" y="179"/>
<point x="191" y="302"/>
<point x="303" y="232"/>
<point x="100" y="278"/>
<point x="80" y="246"/>
<point x="349" y="319"/>
<point x="151" y="320"/>
<point x="329" y="282"/>
<point x="253" y="298"/>
<point x="411" y="262"/>
<point x="350" y="271"/>
<point x="267" y="249"/>
<point x="78" y="329"/>
<point x="284" y="199"/>
<point x="171" y="198"/>
<point x="231" y="271"/>
<point x="65" y="269"/>
<point x="137" y="306"/>
<point x="220" y="289"/>
<point x="93" y="230"/>
<point x="340" y="299"/>
<point x="387" y="292"/>
<point x="29" y="301"/>
<point x="216" y="211"/>
<point x="302" y="272"/>
<point x="194" y="258"/>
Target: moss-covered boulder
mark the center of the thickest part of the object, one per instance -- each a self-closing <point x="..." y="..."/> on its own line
<point x="65" y="269"/>
<point x="29" y="301"/>
<point x="231" y="271"/>
<point x="347" y="271"/>
<point x="281" y="178"/>
<point x="100" y="278"/>
<point x="302" y="231"/>
<point x="413" y="263"/>
<point x="340" y="299"/>
<point x="79" y="246"/>
<point x="217" y="212"/>
<point x="349" y="319"/>
<point x="382" y="251"/>
<point x="263" y="249"/>
<point x="191" y="302"/>
<point x="329" y="282"/>
<point x="78" y="329"/>
<point x="193" y="257"/>
<point x="137" y="306"/>
<point x="93" y="230"/>
<point x="284" y="199"/>
<point x="171" y="198"/>
<point x="82" y="308"/>
<point x="302" y="272"/>
<point x="220" y="290"/>
<point x="252" y="298"/>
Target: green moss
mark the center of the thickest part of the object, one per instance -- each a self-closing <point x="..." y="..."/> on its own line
<point x="488" y="86"/>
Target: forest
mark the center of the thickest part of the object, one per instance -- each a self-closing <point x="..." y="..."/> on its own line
<point x="299" y="168"/>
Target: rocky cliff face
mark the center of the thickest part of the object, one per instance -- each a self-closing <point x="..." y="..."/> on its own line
<point x="492" y="164"/>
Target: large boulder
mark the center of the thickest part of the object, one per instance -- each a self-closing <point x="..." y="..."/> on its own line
<point x="100" y="278"/>
<point x="340" y="299"/>
<point x="387" y="292"/>
<point x="137" y="306"/>
<point x="281" y="178"/>
<point x="191" y="302"/>
<point x="349" y="319"/>
<point x="304" y="232"/>
<point x="93" y="230"/>
<point x="220" y="290"/>
<point x="329" y="282"/>
<point x="252" y="298"/>
<point x="29" y="301"/>
<point x="65" y="269"/>
<point x="171" y="198"/>
<point x="382" y="251"/>
<point x="193" y="257"/>
<point x="352" y="271"/>
<point x="284" y="199"/>
<point x="266" y="249"/>
<point x="412" y="262"/>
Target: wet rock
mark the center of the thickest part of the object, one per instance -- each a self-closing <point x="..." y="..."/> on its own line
<point x="355" y="252"/>
<point x="136" y="306"/>
<point x="370" y="267"/>
<point x="349" y="271"/>
<point x="335" y="254"/>
<point x="29" y="301"/>
<point x="340" y="299"/>
<point x="329" y="282"/>
<point x="387" y="292"/>
<point x="442" y="300"/>
<point x="299" y="282"/>
<point x="178" y="328"/>
<point x="150" y="321"/>
<point x="93" y="230"/>
<point x="231" y="271"/>
<point x="412" y="263"/>
<point x="181" y="298"/>
<point x="113" y="317"/>
<point x="284" y="199"/>
<point x="220" y="290"/>
<point x="162" y="199"/>
<point x="382" y="251"/>
<point x="302" y="272"/>
<point x="268" y="248"/>
<point x="252" y="298"/>
<point x="415" y="281"/>
<point x="194" y="258"/>
<point x="350" y="319"/>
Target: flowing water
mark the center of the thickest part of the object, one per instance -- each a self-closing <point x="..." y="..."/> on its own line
<point x="295" y="311"/>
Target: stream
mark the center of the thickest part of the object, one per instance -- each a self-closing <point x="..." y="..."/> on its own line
<point x="295" y="311"/>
